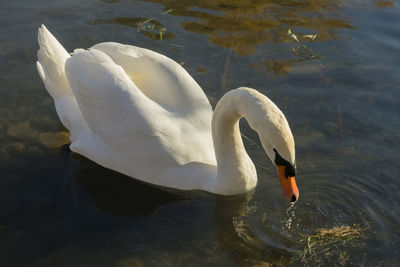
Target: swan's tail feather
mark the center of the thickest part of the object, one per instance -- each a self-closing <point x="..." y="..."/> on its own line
<point x="51" y="64"/>
<point x="51" y="67"/>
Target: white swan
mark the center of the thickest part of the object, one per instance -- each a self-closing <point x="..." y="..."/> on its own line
<point x="140" y="113"/>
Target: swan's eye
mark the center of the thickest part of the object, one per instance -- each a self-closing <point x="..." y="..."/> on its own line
<point x="290" y="170"/>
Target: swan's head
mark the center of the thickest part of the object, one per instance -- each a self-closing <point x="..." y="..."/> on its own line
<point x="271" y="125"/>
<point x="277" y="140"/>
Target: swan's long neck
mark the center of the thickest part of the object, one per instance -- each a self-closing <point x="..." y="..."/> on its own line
<point x="236" y="172"/>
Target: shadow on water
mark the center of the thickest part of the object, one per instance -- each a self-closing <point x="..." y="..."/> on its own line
<point x="120" y="195"/>
<point x="60" y="205"/>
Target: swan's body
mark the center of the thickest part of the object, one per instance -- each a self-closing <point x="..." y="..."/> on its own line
<point x="140" y="113"/>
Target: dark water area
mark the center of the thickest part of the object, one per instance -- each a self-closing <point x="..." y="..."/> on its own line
<point x="333" y="67"/>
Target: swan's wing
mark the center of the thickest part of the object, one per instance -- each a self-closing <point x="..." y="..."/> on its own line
<point x="146" y="140"/>
<point x="158" y="77"/>
<point x="111" y="104"/>
<point x="118" y="115"/>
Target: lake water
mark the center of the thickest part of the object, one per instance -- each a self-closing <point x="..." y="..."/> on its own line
<point x="333" y="67"/>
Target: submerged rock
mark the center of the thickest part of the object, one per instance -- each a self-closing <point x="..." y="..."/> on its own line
<point x="22" y="131"/>
<point x="15" y="147"/>
<point x="54" y="140"/>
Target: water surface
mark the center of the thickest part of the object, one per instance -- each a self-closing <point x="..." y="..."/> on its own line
<point x="331" y="66"/>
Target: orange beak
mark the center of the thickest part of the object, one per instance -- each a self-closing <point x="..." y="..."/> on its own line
<point x="289" y="187"/>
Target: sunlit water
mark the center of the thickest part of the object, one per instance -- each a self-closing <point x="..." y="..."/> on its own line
<point x="340" y="93"/>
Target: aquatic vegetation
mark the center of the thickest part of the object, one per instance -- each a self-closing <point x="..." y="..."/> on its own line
<point x="149" y="27"/>
<point x="22" y="131"/>
<point x="325" y="240"/>
<point x="54" y="140"/>
<point x="310" y="36"/>
<point x="302" y="49"/>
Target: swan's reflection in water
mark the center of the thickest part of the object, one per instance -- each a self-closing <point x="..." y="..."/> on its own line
<point x="121" y="195"/>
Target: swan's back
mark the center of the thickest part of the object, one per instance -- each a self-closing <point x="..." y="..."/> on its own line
<point x="160" y="78"/>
